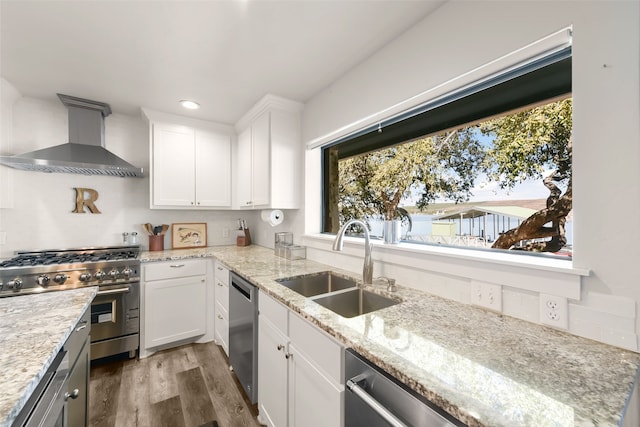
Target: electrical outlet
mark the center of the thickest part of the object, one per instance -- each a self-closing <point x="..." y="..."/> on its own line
<point x="225" y="231"/>
<point x="554" y="311"/>
<point x="3" y="237"/>
<point x="486" y="295"/>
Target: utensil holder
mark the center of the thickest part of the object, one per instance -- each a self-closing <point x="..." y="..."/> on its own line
<point x="244" y="238"/>
<point x="156" y="242"/>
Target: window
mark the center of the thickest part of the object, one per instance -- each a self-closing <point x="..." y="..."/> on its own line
<point x="454" y="171"/>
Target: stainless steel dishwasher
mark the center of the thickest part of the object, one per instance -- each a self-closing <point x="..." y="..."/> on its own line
<point x="243" y="334"/>
<point x="375" y="399"/>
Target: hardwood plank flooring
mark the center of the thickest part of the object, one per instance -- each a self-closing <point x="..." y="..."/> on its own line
<point x="188" y="386"/>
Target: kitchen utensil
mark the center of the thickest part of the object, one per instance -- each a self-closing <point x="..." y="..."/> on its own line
<point x="148" y="228"/>
<point x="165" y="227"/>
<point x="157" y="229"/>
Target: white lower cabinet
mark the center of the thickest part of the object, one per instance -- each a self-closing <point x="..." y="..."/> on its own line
<point x="222" y="307"/>
<point x="272" y="373"/>
<point x="315" y="400"/>
<point x="299" y="370"/>
<point x="175" y="305"/>
<point x="175" y="310"/>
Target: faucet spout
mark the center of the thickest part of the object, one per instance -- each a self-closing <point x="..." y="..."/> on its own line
<point x="367" y="268"/>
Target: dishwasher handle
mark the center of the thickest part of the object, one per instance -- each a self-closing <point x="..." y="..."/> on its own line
<point x="352" y="386"/>
<point x="240" y="288"/>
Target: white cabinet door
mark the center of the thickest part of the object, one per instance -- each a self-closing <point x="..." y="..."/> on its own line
<point x="261" y="180"/>
<point x="314" y="400"/>
<point x="175" y="310"/>
<point x="173" y="173"/>
<point x="272" y="374"/>
<point x="213" y="169"/>
<point x="244" y="169"/>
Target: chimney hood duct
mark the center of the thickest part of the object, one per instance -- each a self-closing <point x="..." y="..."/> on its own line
<point x="85" y="152"/>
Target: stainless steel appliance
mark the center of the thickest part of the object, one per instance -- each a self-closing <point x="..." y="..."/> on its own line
<point x="243" y="334"/>
<point x="46" y="406"/>
<point x="115" y="323"/>
<point x="85" y="153"/>
<point x="375" y="399"/>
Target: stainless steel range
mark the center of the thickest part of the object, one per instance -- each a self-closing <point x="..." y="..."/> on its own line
<point x="115" y="323"/>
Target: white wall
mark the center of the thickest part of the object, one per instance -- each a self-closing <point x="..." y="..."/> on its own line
<point x="41" y="216"/>
<point x="463" y="35"/>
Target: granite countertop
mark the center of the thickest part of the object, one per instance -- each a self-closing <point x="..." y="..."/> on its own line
<point x="33" y="328"/>
<point x="484" y="368"/>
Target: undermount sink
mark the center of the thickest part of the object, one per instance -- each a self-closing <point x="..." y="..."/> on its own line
<point x="355" y="302"/>
<point x="310" y="285"/>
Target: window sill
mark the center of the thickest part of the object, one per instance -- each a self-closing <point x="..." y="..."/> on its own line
<point x="538" y="274"/>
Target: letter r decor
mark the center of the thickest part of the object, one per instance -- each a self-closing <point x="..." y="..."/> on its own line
<point x="81" y="202"/>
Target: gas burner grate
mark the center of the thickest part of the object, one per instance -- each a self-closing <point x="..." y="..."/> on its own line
<point x="32" y="259"/>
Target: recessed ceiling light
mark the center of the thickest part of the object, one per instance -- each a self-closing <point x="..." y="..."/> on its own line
<point x="191" y="105"/>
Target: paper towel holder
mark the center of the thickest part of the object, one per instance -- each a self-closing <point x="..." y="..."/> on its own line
<point x="272" y="217"/>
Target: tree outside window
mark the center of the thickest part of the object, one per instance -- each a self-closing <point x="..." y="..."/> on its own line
<point x="440" y="177"/>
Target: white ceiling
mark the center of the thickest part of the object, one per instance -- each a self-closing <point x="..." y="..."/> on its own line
<point x="225" y="55"/>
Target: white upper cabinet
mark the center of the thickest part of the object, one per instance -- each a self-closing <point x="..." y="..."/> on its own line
<point x="268" y="166"/>
<point x="190" y="163"/>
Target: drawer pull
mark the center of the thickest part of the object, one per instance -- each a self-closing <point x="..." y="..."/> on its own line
<point x="219" y="317"/>
<point x="220" y="284"/>
<point x="73" y="395"/>
<point x="280" y="347"/>
<point x="79" y="328"/>
<point x="176" y="265"/>
<point x="220" y="268"/>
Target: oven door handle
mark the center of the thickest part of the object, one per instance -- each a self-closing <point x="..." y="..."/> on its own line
<point x="115" y="291"/>
<point x="352" y="386"/>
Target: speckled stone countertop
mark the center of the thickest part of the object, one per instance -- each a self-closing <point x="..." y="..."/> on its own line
<point x="33" y="328"/>
<point x="483" y="368"/>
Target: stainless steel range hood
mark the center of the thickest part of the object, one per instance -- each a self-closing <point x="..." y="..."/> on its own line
<point x="85" y="152"/>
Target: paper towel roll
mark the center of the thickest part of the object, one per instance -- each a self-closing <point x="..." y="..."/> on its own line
<point x="273" y="217"/>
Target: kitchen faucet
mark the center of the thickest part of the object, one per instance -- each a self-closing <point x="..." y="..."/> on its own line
<point x="367" y="268"/>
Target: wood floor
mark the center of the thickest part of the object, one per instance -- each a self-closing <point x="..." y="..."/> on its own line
<point x="186" y="386"/>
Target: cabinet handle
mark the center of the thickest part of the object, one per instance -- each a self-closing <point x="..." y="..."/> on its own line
<point x="79" y="328"/>
<point x="73" y="395"/>
<point x="219" y="268"/>
<point x="248" y="203"/>
<point x="288" y="356"/>
<point x="220" y="284"/>
<point x="219" y="317"/>
<point x="191" y="203"/>
<point x="176" y="265"/>
<point x="280" y="347"/>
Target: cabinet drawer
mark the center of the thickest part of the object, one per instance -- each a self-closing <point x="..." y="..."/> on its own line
<point x="320" y="348"/>
<point x="222" y="273"/>
<point x="275" y="312"/>
<point x="174" y="269"/>
<point x="78" y="337"/>
<point x="222" y="294"/>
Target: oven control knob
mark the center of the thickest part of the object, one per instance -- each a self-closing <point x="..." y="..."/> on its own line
<point x="99" y="275"/>
<point x="15" y="284"/>
<point x="127" y="272"/>
<point x="60" y="278"/>
<point x="114" y="274"/>
<point x="85" y="277"/>
<point x="43" y="280"/>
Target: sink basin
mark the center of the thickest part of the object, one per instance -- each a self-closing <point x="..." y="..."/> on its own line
<point x="355" y="302"/>
<point x="310" y="285"/>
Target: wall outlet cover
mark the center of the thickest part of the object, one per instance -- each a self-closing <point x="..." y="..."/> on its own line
<point x="554" y="311"/>
<point x="486" y="295"/>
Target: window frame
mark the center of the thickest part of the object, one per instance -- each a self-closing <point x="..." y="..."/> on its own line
<point x="537" y="80"/>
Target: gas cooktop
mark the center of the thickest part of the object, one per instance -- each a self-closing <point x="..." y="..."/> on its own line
<point x="60" y="269"/>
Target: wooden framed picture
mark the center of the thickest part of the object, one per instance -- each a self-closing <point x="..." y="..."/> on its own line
<point x="185" y="235"/>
